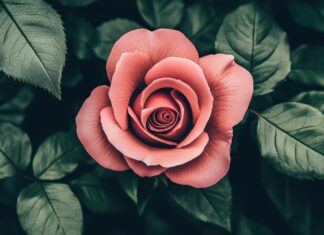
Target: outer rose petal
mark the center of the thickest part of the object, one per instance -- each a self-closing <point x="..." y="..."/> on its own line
<point x="158" y="44"/>
<point x="143" y="170"/>
<point x="128" y="77"/>
<point x="231" y="86"/>
<point x="191" y="74"/>
<point x="130" y="146"/>
<point x="208" y="168"/>
<point x="91" y="135"/>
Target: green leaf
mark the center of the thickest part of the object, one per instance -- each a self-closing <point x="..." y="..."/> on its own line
<point x="80" y="33"/>
<point x="76" y="3"/>
<point x="13" y="110"/>
<point x="33" y="43"/>
<point x="312" y="98"/>
<point x="249" y="227"/>
<point x="161" y="13"/>
<point x="72" y="75"/>
<point x="146" y="189"/>
<point x="8" y="87"/>
<point x="258" y="44"/>
<point x="96" y="195"/>
<point x="200" y="24"/>
<point x="299" y="202"/>
<point x="57" y="156"/>
<point x="309" y="14"/>
<point x="212" y="205"/>
<point x="49" y="209"/>
<point x="308" y="65"/>
<point x="15" y="150"/>
<point x="108" y="33"/>
<point x="290" y="137"/>
<point x="129" y="182"/>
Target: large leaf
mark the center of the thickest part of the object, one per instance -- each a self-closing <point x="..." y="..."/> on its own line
<point x="161" y="13"/>
<point x="108" y="33"/>
<point x="312" y="98"/>
<point x="49" y="209"/>
<point x="96" y="195"/>
<point x="299" y="202"/>
<point x="13" y="110"/>
<point x="32" y="43"/>
<point x="76" y="3"/>
<point x="211" y="204"/>
<point x="291" y="137"/>
<point x="57" y="156"/>
<point x="15" y="150"/>
<point x="308" y="65"/>
<point x="258" y="44"/>
<point x="201" y="23"/>
<point x="309" y="14"/>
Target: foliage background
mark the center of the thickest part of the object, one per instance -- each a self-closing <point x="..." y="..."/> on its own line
<point x="257" y="196"/>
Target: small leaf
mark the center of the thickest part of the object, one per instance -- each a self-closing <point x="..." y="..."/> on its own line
<point x="299" y="202"/>
<point x="312" y="98"/>
<point x="76" y="3"/>
<point x="33" y="43"/>
<point x="161" y="13"/>
<point x="308" y="65"/>
<point x="291" y="137"/>
<point x="96" y="195"/>
<point x="57" y="156"/>
<point x="212" y="205"/>
<point x="309" y="14"/>
<point x="49" y="209"/>
<point x="258" y="44"/>
<point x="80" y="33"/>
<point x="129" y="182"/>
<point x="13" y="110"/>
<point x="108" y="33"/>
<point x="200" y="24"/>
<point x="72" y="75"/>
<point x="249" y="227"/>
<point x="15" y="150"/>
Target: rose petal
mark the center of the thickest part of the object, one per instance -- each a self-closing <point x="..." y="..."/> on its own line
<point x="130" y="146"/>
<point x="91" y="135"/>
<point x="128" y="77"/>
<point x="178" y="85"/>
<point x="183" y="125"/>
<point x="158" y="44"/>
<point x="207" y="169"/>
<point x="231" y="86"/>
<point x="143" y="170"/>
<point x="145" y="134"/>
<point x="191" y="74"/>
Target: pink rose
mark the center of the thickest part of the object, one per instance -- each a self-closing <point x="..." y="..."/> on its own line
<point x="166" y="110"/>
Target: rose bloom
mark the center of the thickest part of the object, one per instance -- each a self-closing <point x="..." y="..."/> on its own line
<point x="166" y="111"/>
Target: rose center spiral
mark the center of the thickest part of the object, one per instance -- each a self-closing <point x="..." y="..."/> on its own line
<point x="162" y="120"/>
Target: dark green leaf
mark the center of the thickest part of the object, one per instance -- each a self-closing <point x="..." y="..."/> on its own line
<point x="258" y="44"/>
<point x="308" y="65"/>
<point x="49" y="209"/>
<point x="8" y="87"/>
<point x="13" y="110"/>
<point x="291" y="137"/>
<point x="161" y="13"/>
<point x="108" y="33"/>
<point x="76" y="3"/>
<point x="146" y="189"/>
<point x="96" y="195"/>
<point x="201" y="23"/>
<point x="37" y="55"/>
<point x="211" y="204"/>
<point x="72" y="75"/>
<point x="249" y="227"/>
<point x="309" y="14"/>
<point x="57" y="156"/>
<point x="15" y="150"/>
<point x="129" y="182"/>
<point x="312" y="98"/>
<point x="299" y="202"/>
<point x="80" y="33"/>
